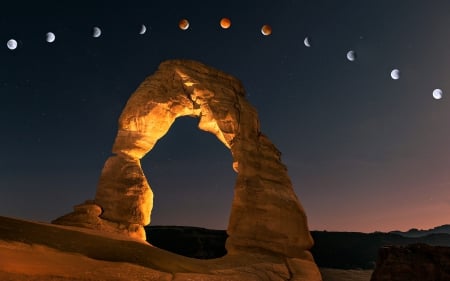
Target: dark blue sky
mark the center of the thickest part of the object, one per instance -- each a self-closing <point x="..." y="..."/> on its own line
<point x="364" y="152"/>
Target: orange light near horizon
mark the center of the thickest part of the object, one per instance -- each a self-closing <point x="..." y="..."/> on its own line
<point x="225" y="23"/>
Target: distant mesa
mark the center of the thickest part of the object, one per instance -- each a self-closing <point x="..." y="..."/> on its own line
<point x="266" y="217"/>
<point x="183" y="24"/>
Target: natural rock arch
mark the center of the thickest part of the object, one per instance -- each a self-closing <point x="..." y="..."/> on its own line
<point x="266" y="215"/>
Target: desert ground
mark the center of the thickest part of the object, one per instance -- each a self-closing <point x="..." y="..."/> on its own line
<point x="38" y="251"/>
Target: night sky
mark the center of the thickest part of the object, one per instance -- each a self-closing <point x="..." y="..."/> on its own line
<point x="365" y="152"/>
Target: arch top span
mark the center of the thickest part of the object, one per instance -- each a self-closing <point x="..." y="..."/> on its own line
<point x="179" y="88"/>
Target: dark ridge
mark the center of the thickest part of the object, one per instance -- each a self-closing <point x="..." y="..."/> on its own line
<point x="193" y="242"/>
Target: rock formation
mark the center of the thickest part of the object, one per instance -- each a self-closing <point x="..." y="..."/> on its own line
<point x="266" y="216"/>
<point x="416" y="262"/>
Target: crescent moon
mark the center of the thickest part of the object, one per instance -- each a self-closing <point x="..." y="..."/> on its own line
<point x="351" y="55"/>
<point x="266" y="30"/>
<point x="306" y="42"/>
<point x="50" y="37"/>
<point x="395" y="74"/>
<point x="143" y="29"/>
<point x="437" y="94"/>
<point x="96" y="32"/>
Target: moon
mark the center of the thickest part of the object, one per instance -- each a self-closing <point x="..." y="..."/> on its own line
<point x="225" y="23"/>
<point x="395" y="74"/>
<point x="351" y="55"/>
<point x="96" y="32"/>
<point x="143" y="29"/>
<point x="50" y="37"/>
<point x="12" y="44"/>
<point x="266" y="30"/>
<point x="437" y="94"/>
<point x="307" y="42"/>
<point x="183" y="24"/>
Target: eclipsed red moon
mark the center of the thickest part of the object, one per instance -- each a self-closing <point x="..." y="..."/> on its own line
<point x="225" y="23"/>
<point x="266" y="30"/>
<point x="183" y="24"/>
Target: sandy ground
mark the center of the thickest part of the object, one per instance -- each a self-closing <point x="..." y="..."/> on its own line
<point x="38" y="251"/>
<point x="43" y="263"/>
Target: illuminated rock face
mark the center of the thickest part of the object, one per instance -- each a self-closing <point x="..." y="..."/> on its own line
<point x="266" y="216"/>
<point x="265" y="212"/>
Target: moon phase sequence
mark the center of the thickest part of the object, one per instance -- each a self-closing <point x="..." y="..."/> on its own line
<point x="225" y="23"/>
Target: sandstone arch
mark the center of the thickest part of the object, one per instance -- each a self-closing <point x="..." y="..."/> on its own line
<point x="266" y="215"/>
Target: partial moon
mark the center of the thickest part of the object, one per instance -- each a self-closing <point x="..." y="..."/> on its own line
<point x="96" y="32"/>
<point x="266" y="30"/>
<point x="395" y="74"/>
<point x="437" y="94"/>
<point x="143" y="29"/>
<point x="225" y="23"/>
<point x="12" y="44"/>
<point x="183" y="24"/>
<point x="307" y="42"/>
<point x="50" y="37"/>
<point x="351" y="55"/>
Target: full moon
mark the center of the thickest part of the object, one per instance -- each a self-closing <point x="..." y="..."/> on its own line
<point x="50" y="37"/>
<point x="183" y="24"/>
<point x="351" y="55"/>
<point x="143" y="29"/>
<point x="395" y="74"/>
<point x="12" y="44"/>
<point x="307" y="42"/>
<point x="96" y="32"/>
<point x="225" y="23"/>
<point x="266" y="30"/>
<point x="437" y="94"/>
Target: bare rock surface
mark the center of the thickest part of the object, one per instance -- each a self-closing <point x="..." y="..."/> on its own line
<point x="41" y="251"/>
<point x="266" y="215"/>
<point x="415" y="262"/>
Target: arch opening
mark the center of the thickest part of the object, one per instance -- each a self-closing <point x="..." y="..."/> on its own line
<point x="190" y="173"/>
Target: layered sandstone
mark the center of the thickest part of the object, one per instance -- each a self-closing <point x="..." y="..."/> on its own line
<point x="266" y="216"/>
